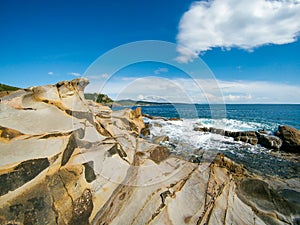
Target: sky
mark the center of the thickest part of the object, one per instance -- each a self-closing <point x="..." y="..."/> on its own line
<point x="251" y="47"/>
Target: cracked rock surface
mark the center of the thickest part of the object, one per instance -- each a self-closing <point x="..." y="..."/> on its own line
<point x="66" y="160"/>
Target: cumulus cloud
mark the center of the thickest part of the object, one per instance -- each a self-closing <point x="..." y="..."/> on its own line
<point x="75" y="74"/>
<point x="161" y="70"/>
<point x="237" y="23"/>
<point x="50" y="73"/>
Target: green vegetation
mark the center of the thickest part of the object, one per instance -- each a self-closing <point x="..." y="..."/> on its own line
<point x="4" y="87"/>
<point x="100" y="98"/>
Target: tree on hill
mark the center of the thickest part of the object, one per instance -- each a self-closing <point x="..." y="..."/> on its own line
<point x="100" y="98"/>
<point x="4" y="87"/>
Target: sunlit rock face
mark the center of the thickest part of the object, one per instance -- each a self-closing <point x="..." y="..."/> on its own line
<point x="66" y="160"/>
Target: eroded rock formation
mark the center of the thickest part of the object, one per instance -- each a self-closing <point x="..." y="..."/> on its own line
<point x="66" y="160"/>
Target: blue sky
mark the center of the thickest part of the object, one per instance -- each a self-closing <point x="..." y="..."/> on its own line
<point x="48" y="41"/>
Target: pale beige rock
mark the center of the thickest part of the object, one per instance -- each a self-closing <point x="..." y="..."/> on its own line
<point x="65" y="160"/>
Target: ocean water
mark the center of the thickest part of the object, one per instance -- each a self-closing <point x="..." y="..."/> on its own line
<point x="185" y="141"/>
<point x="237" y="117"/>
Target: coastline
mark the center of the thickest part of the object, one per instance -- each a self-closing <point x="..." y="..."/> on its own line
<point x="69" y="160"/>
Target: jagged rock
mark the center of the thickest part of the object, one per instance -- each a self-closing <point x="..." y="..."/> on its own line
<point x="290" y="138"/>
<point x="268" y="141"/>
<point x="64" y="161"/>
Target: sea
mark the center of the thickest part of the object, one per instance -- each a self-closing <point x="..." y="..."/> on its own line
<point x="185" y="141"/>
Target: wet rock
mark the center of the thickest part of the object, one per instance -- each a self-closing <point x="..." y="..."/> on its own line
<point x="220" y="131"/>
<point x="202" y="129"/>
<point x="247" y="139"/>
<point x="290" y="138"/>
<point x="157" y="125"/>
<point x="268" y="141"/>
<point x="174" y="119"/>
<point x="228" y="133"/>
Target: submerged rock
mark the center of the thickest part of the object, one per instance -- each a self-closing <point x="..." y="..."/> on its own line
<point x="65" y="160"/>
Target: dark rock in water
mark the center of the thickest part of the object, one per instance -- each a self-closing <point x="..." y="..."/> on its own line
<point x="290" y="138"/>
<point x="212" y="130"/>
<point x="253" y="141"/>
<point x="216" y="131"/>
<point x="269" y="141"/>
<point x="202" y="129"/>
<point x="175" y="119"/>
<point x="246" y="139"/>
<point x="220" y="131"/>
<point x="228" y="133"/>
<point x="158" y="140"/>
<point x="245" y="136"/>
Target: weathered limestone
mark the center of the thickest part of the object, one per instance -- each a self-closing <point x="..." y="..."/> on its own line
<point x="65" y="160"/>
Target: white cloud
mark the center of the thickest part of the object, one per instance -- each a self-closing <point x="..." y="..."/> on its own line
<point x="245" y="24"/>
<point x="50" y="73"/>
<point x="104" y="75"/>
<point x="161" y="70"/>
<point x="98" y="77"/>
<point x="75" y="74"/>
<point x="187" y="90"/>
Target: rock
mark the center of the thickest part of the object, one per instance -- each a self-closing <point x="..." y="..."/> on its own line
<point x="64" y="161"/>
<point x="290" y="138"/>
<point x="158" y="140"/>
<point x="268" y="141"/>
<point x="146" y="130"/>
<point x="157" y="125"/>
<point x="174" y="119"/>
<point x="159" y="153"/>
<point x="202" y="129"/>
<point x="244" y="136"/>
<point x="261" y="131"/>
<point x="228" y="133"/>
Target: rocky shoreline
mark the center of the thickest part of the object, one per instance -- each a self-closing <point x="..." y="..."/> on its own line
<point x="67" y="160"/>
<point x="285" y="139"/>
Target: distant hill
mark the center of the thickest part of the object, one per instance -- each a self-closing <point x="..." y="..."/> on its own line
<point x="4" y="87"/>
<point x="129" y="102"/>
<point x="104" y="99"/>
